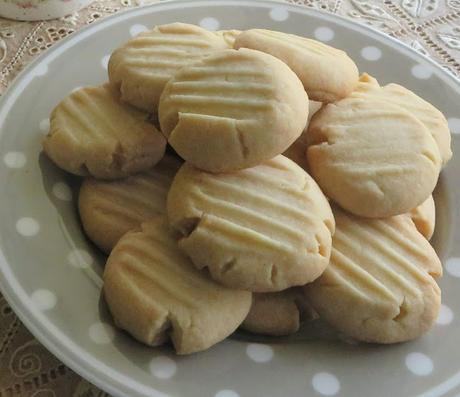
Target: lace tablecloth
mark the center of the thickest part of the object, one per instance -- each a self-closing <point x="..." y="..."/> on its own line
<point x="27" y="369"/>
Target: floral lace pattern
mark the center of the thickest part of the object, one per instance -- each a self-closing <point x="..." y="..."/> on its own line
<point x="431" y="27"/>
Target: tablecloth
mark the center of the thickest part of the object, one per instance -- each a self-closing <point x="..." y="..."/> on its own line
<point x="432" y="27"/>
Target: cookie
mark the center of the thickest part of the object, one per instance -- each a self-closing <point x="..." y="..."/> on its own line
<point x="93" y="133"/>
<point x="373" y="158"/>
<point x="142" y="66"/>
<point x="380" y="284"/>
<point x="233" y="110"/>
<point x="276" y="313"/>
<point x="155" y="293"/>
<point x="366" y="84"/>
<point x="297" y="152"/>
<point x="424" y="217"/>
<point x="328" y="74"/>
<point x="262" y="229"/>
<point x="229" y="36"/>
<point x="424" y="111"/>
<point x="109" y="209"/>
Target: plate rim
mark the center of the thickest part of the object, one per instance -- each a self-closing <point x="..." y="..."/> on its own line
<point x="36" y="322"/>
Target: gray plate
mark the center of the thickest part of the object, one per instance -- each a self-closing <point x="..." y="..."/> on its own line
<point x="51" y="274"/>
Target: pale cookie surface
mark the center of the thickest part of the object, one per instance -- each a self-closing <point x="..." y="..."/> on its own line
<point x="275" y="313"/>
<point x="155" y="293"/>
<point x="424" y="217"/>
<point x="424" y="111"/>
<point x="379" y="286"/>
<point x="109" y="209"/>
<point x="143" y="65"/>
<point x="233" y="110"/>
<point x="93" y="133"/>
<point x="373" y="158"/>
<point x="328" y="74"/>
<point x="366" y="83"/>
<point x="297" y="152"/>
<point x="229" y="36"/>
<point x="263" y="229"/>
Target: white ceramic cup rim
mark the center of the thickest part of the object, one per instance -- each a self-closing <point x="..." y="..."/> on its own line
<point x="34" y="10"/>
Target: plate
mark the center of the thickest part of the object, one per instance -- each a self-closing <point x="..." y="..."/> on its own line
<point x="51" y="275"/>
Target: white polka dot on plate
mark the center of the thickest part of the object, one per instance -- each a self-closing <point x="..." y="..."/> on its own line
<point x="419" y="364"/>
<point x="453" y="267"/>
<point x="259" y="353"/>
<point x="137" y="28"/>
<point x="326" y="384"/>
<point x="80" y="258"/>
<point x="454" y="125"/>
<point x="101" y="333"/>
<point x="210" y="23"/>
<point x="421" y="72"/>
<point x="44" y="125"/>
<point x="324" y="33"/>
<point x="226" y="393"/>
<point x="41" y="69"/>
<point x="446" y="315"/>
<point x="15" y="159"/>
<point x="163" y="367"/>
<point x="62" y="191"/>
<point x="105" y="61"/>
<point x="371" y="53"/>
<point x="279" y="13"/>
<point x="27" y="227"/>
<point x="43" y="299"/>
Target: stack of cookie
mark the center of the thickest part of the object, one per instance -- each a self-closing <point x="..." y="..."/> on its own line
<point x="271" y="126"/>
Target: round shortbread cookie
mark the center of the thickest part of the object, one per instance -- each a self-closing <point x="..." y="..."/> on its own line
<point x="373" y="158"/>
<point x="229" y="36"/>
<point x="142" y="66"/>
<point x="109" y="209"/>
<point x="366" y="83"/>
<point x="263" y="229"/>
<point x="328" y="74"/>
<point x="424" y="217"/>
<point x="93" y="133"/>
<point x="277" y="313"/>
<point x="424" y="111"/>
<point x="379" y="286"/>
<point x="297" y="152"/>
<point x="156" y="294"/>
<point x="233" y="110"/>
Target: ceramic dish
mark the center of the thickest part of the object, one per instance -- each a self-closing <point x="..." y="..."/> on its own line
<point x="51" y="274"/>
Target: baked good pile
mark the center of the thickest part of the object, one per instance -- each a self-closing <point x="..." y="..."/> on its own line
<point x="254" y="179"/>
